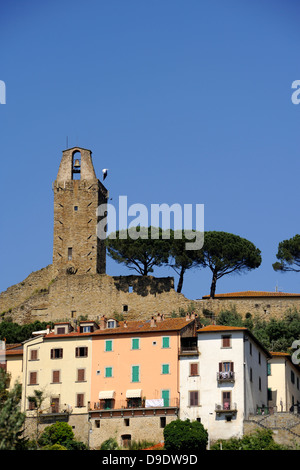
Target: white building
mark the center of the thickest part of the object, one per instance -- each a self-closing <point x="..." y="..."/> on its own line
<point x="224" y="380"/>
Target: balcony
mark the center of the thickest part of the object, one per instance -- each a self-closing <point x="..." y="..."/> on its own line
<point x="126" y="408"/>
<point x="225" y="408"/>
<point x="228" y="376"/>
<point x="188" y="351"/>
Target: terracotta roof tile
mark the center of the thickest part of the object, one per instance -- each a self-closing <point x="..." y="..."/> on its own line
<point x="249" y="293"/>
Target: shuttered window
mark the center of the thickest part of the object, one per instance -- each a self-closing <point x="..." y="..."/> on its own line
<point x="56" y="353"/>
<point x="108" y="371"/>
<point x="194" y="369"/>
<point x="194" y="398"/>
<point x="165" y="368"/>
<point x="226" y="341"/>
<point x="135" y="344"/>
<point x="80" y="375"/>
<point x="55" y="376"/>
<point x="108" y="345"/>
<point x="135" y="373"/>
<point x="80" y="399"/>
<point x="33" y="354"/>
<point x="166" y="342"/>
<point x="33" y="378"/>
<point x="81" y="352"/>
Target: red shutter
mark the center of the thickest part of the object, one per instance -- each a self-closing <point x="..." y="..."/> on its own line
<point x="231" y="366"/>
<point x="80" y="375"/>
<point x="56" y="375"/>
<point x="32" y="378"/>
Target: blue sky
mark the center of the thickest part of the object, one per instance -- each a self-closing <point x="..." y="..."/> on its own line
<point x="185" y="102"/>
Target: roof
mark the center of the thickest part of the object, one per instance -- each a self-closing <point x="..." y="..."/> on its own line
<point x="251" y="293"/>
<point x="223" y="328"/>
<point x="134" y="326"/>
<point x="14" y="349"/>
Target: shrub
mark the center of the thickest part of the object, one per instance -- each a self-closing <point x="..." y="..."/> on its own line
<point x="185" y="436"/>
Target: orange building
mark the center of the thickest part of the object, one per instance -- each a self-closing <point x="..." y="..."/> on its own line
<point x="135" y="363"/>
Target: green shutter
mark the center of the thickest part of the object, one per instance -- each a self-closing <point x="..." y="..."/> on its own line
<point x="135" y="343"/>
<point x="165" y="394"/>
<point x="135" y="373"/>
<point x="108" y="345"/>
<point x="108" y="371"/>
<point x="165" y="369"/>
<point x="166" y="342"/>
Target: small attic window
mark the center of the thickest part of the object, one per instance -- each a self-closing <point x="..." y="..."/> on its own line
<point x="75" y="208"/>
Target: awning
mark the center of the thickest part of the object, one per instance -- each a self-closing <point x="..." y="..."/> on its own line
<point x="134" y="393"/>
<point x="103" y="395"/>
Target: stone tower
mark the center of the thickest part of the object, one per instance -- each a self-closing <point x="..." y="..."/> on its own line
<point x="77" y="195"/>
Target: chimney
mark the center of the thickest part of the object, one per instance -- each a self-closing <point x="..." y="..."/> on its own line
<point x="188" y="316"/>
<point x="103" y="322"/>
<point x="152" y="322"/>
<point x="48" y="329"/>
<point x="125" y="324"/>
<point x="159" y="317"/>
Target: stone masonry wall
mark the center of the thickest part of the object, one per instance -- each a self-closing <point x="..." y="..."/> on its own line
<point x="45" y="298"/>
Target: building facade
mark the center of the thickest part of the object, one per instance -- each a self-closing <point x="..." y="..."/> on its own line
<point x="225" y="381"/>
<point x="283" y="383"/>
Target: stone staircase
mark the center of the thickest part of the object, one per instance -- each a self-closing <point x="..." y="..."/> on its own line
<point x="285" y="426"/>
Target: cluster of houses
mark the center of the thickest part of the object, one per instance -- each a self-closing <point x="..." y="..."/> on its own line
<point x="128" y="379"/>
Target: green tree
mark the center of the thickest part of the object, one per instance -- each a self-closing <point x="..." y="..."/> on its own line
<point x="139" y="248"/>
<point x="37" y="399"/>
<point x="225" y="253"/>
<point x="181" y="259"/>
<point x="57" y="433"/>
<point x="288" y="255"/>
<point x="185" y="436"/>
<point x="11" y="418"/>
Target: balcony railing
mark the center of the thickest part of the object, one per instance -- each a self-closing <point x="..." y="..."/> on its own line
<point x="188" y="351"/>
<point x="106" y="405"/>
<point x="225" y="408"/>
<point x="228" y="376"/>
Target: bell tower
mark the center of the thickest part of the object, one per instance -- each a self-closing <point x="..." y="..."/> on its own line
<point x="77" y="195"/>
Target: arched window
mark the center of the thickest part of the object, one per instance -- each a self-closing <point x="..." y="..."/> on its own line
<point x="76" y="165"/>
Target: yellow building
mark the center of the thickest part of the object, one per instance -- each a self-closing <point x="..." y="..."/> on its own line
<point x="283" y="382"/>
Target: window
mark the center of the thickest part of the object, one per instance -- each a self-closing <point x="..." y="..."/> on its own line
<point x="81" y="351"/>
<point x="70" y="254"/>
<point x="194" y="369"/>
<point x="80" y="375"/>
<point x="108" y="371"/>
<point x="125" y="308"/>
<point x="226" y="398"/>
<point x="292" y="377"/>
<point x="108" y="345"/>
<point x="80" y="400"/>
<point x="226" y="341"/>
<point x="130" y="289"/>
<point x="32" y="378"/>
<point x="111" y="324"/>
<point x="60" y="330"/>
<point x="75" y="208"/>
<point x="163" y="421"/>
<point x="56" y="353"/>
<point x="126" y="422"/>
<point x="135" y="373"/>
<point x="250" y="348"/>
<point x="194" y="398"/>
<point x="87" y="329"/>
<point x="269" y="368"/>
<point x="259" y="383"/>
<point x="259" y="358"/>
<point x="165" y="368"/>
<point x="135" y="343"/>
<point x="166" y="342"/>
<point x="250" y="374"/>
<point x="165" y="394"/>
<point x="270" y="397"/>
<point x="33" y="354"/>
<point x="55" y="376"/>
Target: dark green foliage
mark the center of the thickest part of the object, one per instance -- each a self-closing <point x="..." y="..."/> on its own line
<point x="60" y="433"/>
<point x="11" y="419"/>
<point x="109" y="444"/>
<point x="258" y="440"/>
<point x="185" y="436"/>
<point x="15" y="333"/>
<point x="224" y="253"/>
<point x="275" y="334"/>
<point x="288" y="255"/>
<point x="140" y="254"/>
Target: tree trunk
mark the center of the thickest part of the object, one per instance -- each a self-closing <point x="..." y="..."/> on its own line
<point x="213" y="285"/>
<point x="180" y="282"/>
